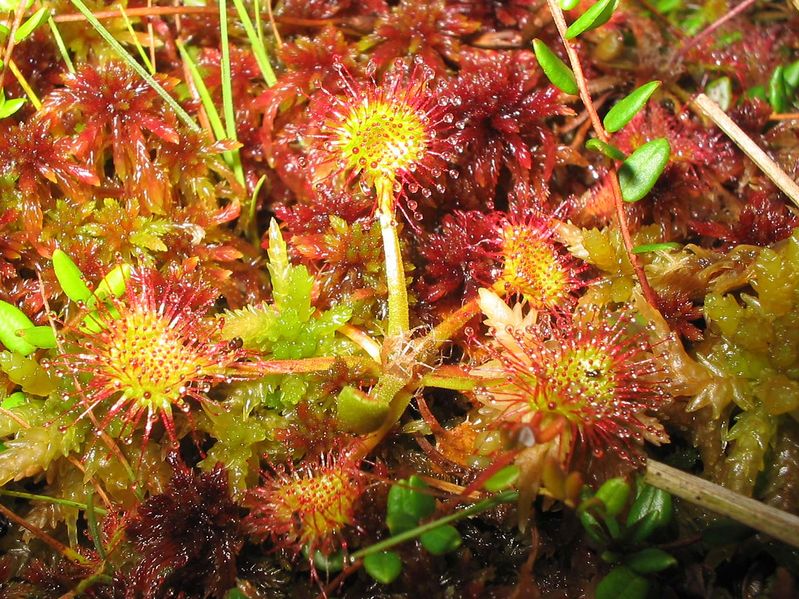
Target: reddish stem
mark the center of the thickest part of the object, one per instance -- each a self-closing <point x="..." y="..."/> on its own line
<point x="599" y="129"/>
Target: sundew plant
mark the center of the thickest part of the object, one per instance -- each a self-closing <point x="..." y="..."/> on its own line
<point x="399" y="298"/>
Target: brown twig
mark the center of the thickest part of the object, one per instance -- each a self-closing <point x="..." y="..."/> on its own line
<point x="599" y="129"/>
<point x="772" y="170"/>
<point x="755" y="514"/>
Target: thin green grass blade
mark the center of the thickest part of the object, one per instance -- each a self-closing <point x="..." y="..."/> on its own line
<point x="140" y="70"/>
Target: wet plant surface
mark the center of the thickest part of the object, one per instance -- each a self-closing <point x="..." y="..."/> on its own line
<point x="399" y="298"/>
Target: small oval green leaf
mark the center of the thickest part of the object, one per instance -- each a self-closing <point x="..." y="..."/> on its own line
<point x="9" y="107"/>
<point x="622" y="582"/>
<point x="70" y="277"/>
<point x="29" y="26"/>
<point x="384" y="567"/>
<point x="555" y="69"/>
<point x="12" y="319"/>
<point x="502" y="479"/>
<point x="568" y="4"/>
<point x="43" y="336"/>
<point x="656" y="247"/>
<point x="639" y="173"/>
<point x="328" y="563"/>
<point x="791" y="76"/>
<point x="593" y="528"/>
<point x="777" y="92"/>
<point x="407" y="504"/>
<point x="441" y="540"/>
<point x="113" y="283"/>
<point x="14" y="400"/>
<point x="611" y="151"/>
<point x="651" y="509"/>
<point x="625" y="109"/>
<point x="613" y="493"/>
<point x="650" y="560"/>
<point x="594" y="17"/>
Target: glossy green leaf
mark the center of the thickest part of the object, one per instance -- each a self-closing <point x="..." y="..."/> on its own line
<point x="70" y="277"/>
<point x="639" y="173"/>
<point x="656" y="247"/>
<point x="441" y="540"/>
<point x="12" y="319"/>
<point x="384" y="567"/>
<point x="31" y="24"/>
<point x="328" y="563"/>
<point x="757" y="91"/>
<point x="665" y="7"/>
<point x="650" y="560"/>
<point x="113" y="284"/>
<point x="502" y="479"/>
<point x="609" y="150"/>
<point x="235" y="594"/>
<point x="42" y="336"/>
<point x="592" y="527"/>
<point x="720" y="91"/>
<point x="625" y="109"/>
<point x="568" y="4"/>
<point x="359" y="412"/>
<point x="555" y="69"/>
<point x="791" y="76"/>
<point x="613" y="494"/>
<point x="777" y="91"/>
<point x="408" y="503"/>
<point x="651" y="509"/>
<point x="622" y="583"/>
<point x="594" y="17"/>
<point x="9" y="107"/>
<point x="14" y="400"/>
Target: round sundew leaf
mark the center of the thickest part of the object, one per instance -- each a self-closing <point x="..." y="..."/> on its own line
<point x="622" y="582"/>
<point x="441" y="540"/>
<point x="656" y="247"/>
<point x="43" y="336"/>
<point x="70" y="277"/>
<point x="625" y="109"/>
<point x="639" y="173"/>
<point x="33" y="23"/>
<point x="12" y="319"/>
<point x="609" y="150"/>
<point x="555" y="69"/>
<point x="502" y="479"/>
<point x="650" y="560"/>
<point x="384" y="567"/>
<point x="594" y="17"/>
